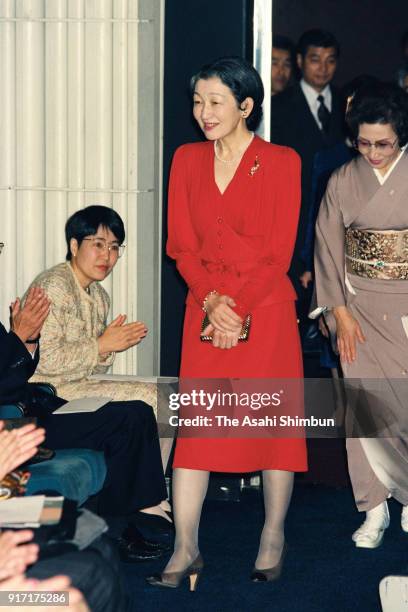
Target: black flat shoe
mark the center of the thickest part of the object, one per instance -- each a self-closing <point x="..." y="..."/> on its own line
<point x="153" y="523"/>
<point x="132" y="535"/>
<point x="134" y="553"/>
<point x="270" y="573"/>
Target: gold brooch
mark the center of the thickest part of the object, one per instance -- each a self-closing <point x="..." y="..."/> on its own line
<point x="255" y="167"/>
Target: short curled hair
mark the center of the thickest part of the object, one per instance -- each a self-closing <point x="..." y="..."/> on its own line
<point x="241" y="78"/>
<point x="380" y="103"/>
<point x="85" y="222"/>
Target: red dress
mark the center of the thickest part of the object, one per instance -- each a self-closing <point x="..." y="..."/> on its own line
<point x="239" y="243"/>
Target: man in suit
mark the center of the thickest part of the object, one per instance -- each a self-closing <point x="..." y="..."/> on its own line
<point x="309" y="118"/>
<point x="125" y="432"/>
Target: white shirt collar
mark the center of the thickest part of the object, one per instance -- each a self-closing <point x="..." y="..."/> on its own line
<point x="311" y="96"/>
<point x="382" y="178"/>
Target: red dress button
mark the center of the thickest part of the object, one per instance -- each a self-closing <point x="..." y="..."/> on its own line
<point x="219" y="219"/>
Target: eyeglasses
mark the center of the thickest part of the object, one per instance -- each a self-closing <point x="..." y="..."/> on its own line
<point x="383" y="146"/>
<point x="100" y="245"/>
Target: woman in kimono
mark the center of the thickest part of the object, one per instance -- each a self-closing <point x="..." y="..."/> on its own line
<point x="361" y="270"/>
<point x="233" y="211"/>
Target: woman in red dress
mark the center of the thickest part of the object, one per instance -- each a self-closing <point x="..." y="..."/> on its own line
<point x="233" y="211"/>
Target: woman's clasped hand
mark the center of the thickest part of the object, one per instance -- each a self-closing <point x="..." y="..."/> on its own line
<point x="225" y="325"/>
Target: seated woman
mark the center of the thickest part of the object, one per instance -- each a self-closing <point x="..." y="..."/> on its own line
<point x="76" y="342"/>
<point x="126" y="432"/>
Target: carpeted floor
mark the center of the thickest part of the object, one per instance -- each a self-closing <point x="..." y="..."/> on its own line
<point x="323" y="571"/>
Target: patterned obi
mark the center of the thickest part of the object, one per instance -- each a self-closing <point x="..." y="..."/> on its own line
<point x="380" y="254"/>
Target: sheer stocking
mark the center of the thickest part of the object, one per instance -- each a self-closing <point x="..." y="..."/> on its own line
<point x="277" y="490"/>
<point x="166" y="444"/>
<point x="189" y="490"/>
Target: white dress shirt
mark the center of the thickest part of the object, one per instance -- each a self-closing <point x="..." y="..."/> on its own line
<point x="311" y="96"/>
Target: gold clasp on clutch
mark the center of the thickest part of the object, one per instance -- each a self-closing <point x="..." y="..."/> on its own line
<point x="243" y="336"/>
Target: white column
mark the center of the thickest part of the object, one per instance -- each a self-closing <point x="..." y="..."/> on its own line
<point x="56" y="134"/>
<point x="120" y="283"/>
<point x="132" y="172"/>
<point x="98" y="106"/>
<point x="262" y="51"/>
<point x="76" y="105"/>
<point x="30" y="129"/>
<point x="8" y="225"/>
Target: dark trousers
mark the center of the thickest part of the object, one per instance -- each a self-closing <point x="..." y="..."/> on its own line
<point x="126" y="432"/>
<point x="94" y="571"/>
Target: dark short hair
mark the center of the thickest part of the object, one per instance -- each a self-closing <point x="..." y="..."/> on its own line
<point x="85" y="222"/>
<point x="317" y="38"/>
<point x="241" y="78"/>
<point x="380" y="103"/>
<point x="284" y="42"/>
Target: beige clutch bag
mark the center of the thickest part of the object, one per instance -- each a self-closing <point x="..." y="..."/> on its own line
<point x="243" y="336"/>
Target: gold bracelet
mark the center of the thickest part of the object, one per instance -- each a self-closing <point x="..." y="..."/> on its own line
<point x="207" y="297"/>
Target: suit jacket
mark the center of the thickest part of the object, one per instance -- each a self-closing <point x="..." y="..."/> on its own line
<point x="293" y="125"/>
<point x="16" y="367"/>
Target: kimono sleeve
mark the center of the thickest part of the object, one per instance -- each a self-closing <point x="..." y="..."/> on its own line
<point x="183" y="244"/>
<point x="329" y="258"/>
<point x="281" y="212"/>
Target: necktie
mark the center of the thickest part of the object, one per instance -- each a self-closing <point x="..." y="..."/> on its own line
<point x="323" y="114"/>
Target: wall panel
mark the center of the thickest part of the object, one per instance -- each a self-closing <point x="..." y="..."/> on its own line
<point x="74" y="132"/>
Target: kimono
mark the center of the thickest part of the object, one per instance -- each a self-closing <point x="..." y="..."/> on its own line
<point x="361" y="261"/>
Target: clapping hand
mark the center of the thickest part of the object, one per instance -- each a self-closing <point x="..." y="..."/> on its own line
<point x="15" y="553"/>
<point x="18" y="445"/>
<point x="27" y="321"/>
<point x="119" y="335"/>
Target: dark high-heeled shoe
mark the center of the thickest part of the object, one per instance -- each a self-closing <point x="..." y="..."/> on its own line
<point x="172" y="580"/>
<point x="271" y="573"/>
